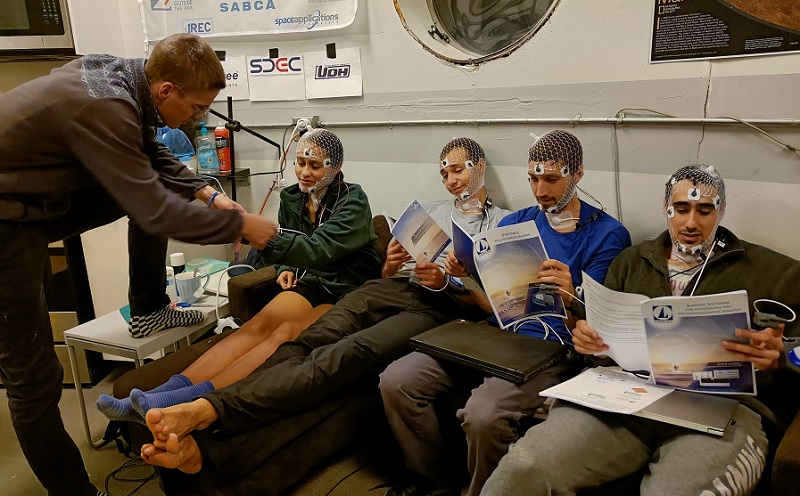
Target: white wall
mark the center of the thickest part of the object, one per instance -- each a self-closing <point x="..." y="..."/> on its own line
<point x="591" y="58"/>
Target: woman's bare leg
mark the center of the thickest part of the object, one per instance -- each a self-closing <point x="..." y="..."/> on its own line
<point x="285" y="307"/>
<point x="251" y="360"/>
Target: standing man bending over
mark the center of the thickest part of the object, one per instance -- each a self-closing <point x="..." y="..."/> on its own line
<point x="79" y="151"/>
<point x="578" y="237"/>
<point x="577" y="447"/>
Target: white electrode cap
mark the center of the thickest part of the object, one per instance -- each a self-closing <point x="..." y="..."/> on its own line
<point x="176" y="259"/>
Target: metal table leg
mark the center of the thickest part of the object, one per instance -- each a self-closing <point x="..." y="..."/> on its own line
<point x="81" y="402"/>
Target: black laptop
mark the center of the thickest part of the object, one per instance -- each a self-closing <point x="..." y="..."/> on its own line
<point x="505" y="354"/>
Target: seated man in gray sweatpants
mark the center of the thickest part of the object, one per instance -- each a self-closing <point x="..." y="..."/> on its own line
<point x="578" y="237"/>
<point x="578" y="447"/>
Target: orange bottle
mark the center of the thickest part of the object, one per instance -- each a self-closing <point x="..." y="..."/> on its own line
<point x="221" y="137"/>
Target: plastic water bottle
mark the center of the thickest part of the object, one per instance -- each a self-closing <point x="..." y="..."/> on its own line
<point x="207" y="159"/>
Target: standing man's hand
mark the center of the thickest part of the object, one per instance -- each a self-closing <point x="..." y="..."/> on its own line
<point x="258" y="230"/>
<point x="224" y="203"/>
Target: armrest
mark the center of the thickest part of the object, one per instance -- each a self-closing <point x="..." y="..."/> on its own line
<point x="249" y="292"/>
<point x="786" y="466"/>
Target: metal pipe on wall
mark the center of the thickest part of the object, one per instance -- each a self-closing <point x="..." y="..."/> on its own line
<point x="622" y="120"/>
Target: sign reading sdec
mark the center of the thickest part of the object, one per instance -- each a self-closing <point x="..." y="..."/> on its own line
<point x="282" y="64"/>
<point x="246" y="6"/>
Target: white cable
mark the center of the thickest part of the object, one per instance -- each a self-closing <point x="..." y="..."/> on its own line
<point x="206" y="176"/>
<point x="794" y="315"/>
<point x="227" y="321"/>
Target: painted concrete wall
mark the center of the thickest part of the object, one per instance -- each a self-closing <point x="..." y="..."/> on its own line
<point x="590" y="59"/>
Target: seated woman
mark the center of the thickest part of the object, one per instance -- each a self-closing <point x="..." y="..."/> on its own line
<point x="325" y="248"/>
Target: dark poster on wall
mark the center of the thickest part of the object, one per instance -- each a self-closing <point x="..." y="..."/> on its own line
<point x="703" y="29"/>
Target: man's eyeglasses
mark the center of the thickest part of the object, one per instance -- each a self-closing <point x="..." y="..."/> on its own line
<point x="201" y="111"/>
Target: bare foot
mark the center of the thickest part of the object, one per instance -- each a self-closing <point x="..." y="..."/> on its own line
<point x="180" y="419"/>
<point x="182" y="454"/>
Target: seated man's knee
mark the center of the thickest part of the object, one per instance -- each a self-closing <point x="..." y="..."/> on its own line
<point x="482" y="419"/>
<point x="392" y="378"/>
<point x="521" y="472"/>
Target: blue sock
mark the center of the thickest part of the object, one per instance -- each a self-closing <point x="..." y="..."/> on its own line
<point x="122" y="409"/>
<point x="142" y="402"/>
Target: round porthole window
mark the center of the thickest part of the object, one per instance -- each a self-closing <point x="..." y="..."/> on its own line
<point x="473" y="31"/>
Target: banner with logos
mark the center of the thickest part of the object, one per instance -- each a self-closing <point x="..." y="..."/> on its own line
<point x="276" y="79"/>
<point x="333" y="77"/>
<point x="211" y="18"/>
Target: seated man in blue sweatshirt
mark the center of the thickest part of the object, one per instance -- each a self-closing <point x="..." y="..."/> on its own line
<point x="578" y="237"/>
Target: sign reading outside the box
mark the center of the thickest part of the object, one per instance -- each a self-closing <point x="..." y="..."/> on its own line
<point x="211" y="18"/>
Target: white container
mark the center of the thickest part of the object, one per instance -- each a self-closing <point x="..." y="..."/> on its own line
<point x="172" y="290"/>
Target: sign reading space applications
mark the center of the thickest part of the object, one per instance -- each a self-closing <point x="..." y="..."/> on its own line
<point x="240" y="17"/>
<point x="276" y="79"/>
<point x="329" y="78"/>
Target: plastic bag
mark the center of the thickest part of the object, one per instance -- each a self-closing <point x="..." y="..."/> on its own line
<point x="176" y="140"/>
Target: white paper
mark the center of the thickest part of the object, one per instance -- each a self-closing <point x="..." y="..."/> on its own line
<point x="617" y="318"/>
<point x="331" y="78"/>
<point x="609" y="390"/>
<point x="239" y="17"/>
<point x="278" y="79"/>
<point x="237" y="86"/>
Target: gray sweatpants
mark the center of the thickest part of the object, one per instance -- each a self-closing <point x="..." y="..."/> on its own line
<point x="490" y="417"/>
<point x="577" y="447"/>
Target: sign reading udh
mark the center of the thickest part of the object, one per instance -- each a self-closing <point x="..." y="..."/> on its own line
<point x="703" y="29"/>
<point x="240" y="17"/>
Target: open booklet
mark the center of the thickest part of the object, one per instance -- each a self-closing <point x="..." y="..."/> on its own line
<point x="419" y="234"/>
<point x="505" y="261"/>
<point x="676" y="338"/>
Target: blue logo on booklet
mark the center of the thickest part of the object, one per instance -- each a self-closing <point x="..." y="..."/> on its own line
<point x="662" y="313"/>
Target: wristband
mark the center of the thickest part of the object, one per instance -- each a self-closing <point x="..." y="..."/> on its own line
<point x="211" y="199"/>
<point x="455" y="286"/>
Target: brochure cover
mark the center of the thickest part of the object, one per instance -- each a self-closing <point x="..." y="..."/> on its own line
<point x="683" y="338"/>
<point x="674" y="338"/>
<point x="419" y="234"/>
<point x="507" y="260"/>
<point x="462" y="247"/>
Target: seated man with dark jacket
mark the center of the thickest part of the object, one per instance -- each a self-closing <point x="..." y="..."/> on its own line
<point x="578" y="447"/>
<point x="363" y="332"/>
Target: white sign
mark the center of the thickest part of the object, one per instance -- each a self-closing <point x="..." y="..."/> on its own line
<point x="235" y="79"/>
<point x="277" y="79"/>
<point x="240" y="17"/>
<point x="326" y="78"/>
